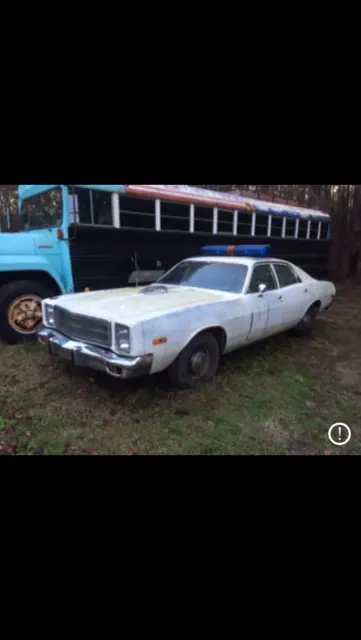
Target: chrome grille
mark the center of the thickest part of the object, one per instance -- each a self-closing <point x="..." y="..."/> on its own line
<point x="75" y="325"/>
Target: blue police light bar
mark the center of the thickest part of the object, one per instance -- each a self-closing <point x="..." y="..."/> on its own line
<point x="245" y="250"/>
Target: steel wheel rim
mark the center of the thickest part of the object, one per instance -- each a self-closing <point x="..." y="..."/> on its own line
<point x="24" y="314"/>
<point x="199" y="363"/>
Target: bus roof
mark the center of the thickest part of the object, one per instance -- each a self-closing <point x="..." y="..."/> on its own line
<point x="29" y="190"/>
<point x="205" y="197"/>
<point x="182" y="194"/>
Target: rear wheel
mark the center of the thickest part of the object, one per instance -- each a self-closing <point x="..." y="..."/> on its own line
<point x="198" y="362"/>
<point x="305" y="327"/>
<point x="20" y="310"/>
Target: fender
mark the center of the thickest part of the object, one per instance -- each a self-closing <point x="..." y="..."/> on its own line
<point x="163" y="358"/>
<point x="202" y="330"/>
<point x="175" y="326"/>
<point x="30" y="263"/>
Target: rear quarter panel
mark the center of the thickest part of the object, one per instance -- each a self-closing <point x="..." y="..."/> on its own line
<point x="322" y="290"/>
<point x="327" y="291"/>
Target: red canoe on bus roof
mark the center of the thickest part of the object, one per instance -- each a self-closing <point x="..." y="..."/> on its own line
<point x="204" y="197"/>
<point x="188" y="195"/>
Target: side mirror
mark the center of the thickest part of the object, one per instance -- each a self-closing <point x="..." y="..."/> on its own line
<point x="262" y="288"/>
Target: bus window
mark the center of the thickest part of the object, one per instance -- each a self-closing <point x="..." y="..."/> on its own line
<point x="290" y="228"/>
<point x="225" y="221"/>
<point x="244" y="223"/>
<point x="261" y="224"/>
<point x="90" y="207"/>
<point x="302" y="228"/>
<point x="324" y="230"/>
<point x="174" y="216"/>
<point x="102" y="207"/>
<point x="203" y="219"/>
<point x="137" y="213"/>
<point x="79" y="205"/>
<point x="277" y="225"/>
<point x="314" y="230"/>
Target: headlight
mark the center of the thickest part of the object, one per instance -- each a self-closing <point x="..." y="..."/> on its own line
<point x="122" y="338"/>
<point x="49" y="315"/>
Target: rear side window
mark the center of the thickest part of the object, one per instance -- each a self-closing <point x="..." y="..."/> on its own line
<point x="262" y="274"/>
<point x="286" y="276"/>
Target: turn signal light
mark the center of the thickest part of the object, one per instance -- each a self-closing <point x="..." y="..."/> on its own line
<point x="116" y="371"/>
<point x="160" y="341"/>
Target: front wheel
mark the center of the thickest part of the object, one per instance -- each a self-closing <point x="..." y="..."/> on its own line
<point x="20" y="310"/>
<point x="198" y="362"/>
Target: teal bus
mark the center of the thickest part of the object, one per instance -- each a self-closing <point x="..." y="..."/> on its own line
<point x="76" y="237"/>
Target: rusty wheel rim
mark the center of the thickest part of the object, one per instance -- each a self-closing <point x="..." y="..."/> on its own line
<point x="24" y="314"/>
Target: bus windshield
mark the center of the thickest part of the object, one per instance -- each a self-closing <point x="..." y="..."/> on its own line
<point x="43" y="211"/>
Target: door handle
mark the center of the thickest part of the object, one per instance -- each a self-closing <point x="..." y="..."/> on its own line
<point x="280" y="297"/>
<point x="306" y="290"/>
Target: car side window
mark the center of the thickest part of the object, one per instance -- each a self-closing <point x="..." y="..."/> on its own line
<point x="262" y="274"/>
<point x="286" y="276"/>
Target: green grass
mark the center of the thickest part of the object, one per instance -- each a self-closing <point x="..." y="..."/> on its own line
<point x="277" y="397"/>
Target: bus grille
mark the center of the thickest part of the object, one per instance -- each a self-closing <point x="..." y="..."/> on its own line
<point x="74" y="325"/>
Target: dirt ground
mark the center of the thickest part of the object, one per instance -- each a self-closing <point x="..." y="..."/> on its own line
<point x="277" y="397"/>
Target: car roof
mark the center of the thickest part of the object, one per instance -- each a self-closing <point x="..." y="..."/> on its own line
<point x="236" y="260"/>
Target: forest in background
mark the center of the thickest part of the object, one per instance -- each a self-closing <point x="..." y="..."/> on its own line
<point x="342" y="202"/>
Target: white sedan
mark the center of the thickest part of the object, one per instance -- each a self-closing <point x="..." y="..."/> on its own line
<point x="202" y="308"/>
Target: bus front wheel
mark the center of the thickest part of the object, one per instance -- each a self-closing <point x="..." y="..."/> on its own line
<point x="20" y="310"/>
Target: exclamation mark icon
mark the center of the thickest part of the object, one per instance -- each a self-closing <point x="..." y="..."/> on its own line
<point x="339" y="434"/>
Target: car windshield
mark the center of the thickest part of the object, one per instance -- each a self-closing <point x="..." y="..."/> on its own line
<point x="207" y="275"/>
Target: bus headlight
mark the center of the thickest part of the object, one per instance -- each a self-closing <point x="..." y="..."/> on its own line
<point x="122" y="338"/>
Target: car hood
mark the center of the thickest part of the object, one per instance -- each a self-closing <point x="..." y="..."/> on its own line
<point x="130" y="305"/>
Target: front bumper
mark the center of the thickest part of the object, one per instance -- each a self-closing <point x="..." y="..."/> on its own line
<point x="83" y="354"/>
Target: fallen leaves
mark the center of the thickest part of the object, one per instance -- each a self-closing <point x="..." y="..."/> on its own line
<point x="81" y="450"/>
<point x="8" y="448"/>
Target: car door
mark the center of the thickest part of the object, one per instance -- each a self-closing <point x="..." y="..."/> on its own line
<point x="295" y="293"/>
<point x="267" y="306"/>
